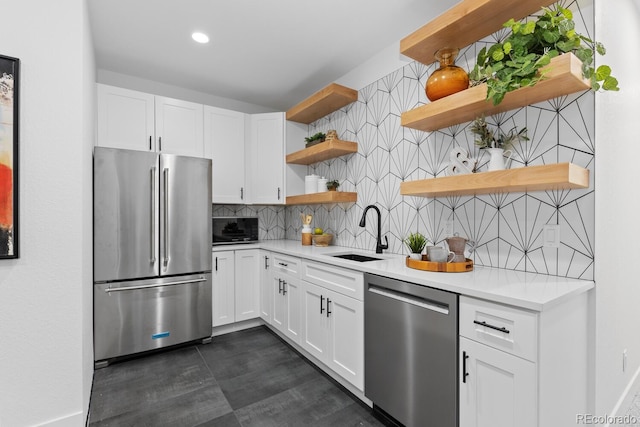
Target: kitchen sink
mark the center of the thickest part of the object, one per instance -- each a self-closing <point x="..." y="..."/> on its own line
<point x="357" y="257"/>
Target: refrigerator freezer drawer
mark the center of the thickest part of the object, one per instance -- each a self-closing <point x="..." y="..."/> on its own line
<point x="131" y="317"/>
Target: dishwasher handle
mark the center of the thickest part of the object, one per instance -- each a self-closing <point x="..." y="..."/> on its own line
<point x="410" y="299"/>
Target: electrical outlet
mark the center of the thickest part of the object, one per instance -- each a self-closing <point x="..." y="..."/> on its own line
<point x="551" y="236"/>
<point x="448" y="228"/>
<point x="624" y="360"/>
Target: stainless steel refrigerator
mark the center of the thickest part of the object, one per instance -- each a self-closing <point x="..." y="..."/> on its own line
<point x="152" y="251"/>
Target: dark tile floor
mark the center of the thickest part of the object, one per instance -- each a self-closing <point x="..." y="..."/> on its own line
<point x="247" y="378"/>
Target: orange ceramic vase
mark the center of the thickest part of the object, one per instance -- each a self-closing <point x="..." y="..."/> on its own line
<point x="449" y="78"/>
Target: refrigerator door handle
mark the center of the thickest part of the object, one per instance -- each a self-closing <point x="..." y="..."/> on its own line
<point x="166" y="218"/>
<point x="155" y="285"/>
<point x="153" y="215"/>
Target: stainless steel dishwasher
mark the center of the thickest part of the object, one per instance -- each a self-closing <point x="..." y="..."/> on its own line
<point x="411" y="352"/>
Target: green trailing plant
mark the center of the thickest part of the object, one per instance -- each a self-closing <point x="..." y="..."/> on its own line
<point x="333" y="184"/>
<point x="416" y="242"/>
<point x="487" y="138"/>
<point x="317" y="137"/>
<point x="516" y="62"/>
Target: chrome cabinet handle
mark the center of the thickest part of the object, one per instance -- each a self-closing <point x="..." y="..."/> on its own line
<point x="487" y="325"/>
<point x="266" y="262"/>
<point x="153" y="214"/>
<point x="279" y="286"/>
<point x="283" y="264"/>
<point x="328" y="302"/>
<point x="149" y="142"/>
<point x="284" y="287"/>
<point x="321" y="301"/>
<point x="241" y="193"/>
<point x="278" y="193"/>
<point x="159" y="143"/>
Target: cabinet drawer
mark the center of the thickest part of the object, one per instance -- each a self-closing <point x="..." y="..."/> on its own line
<point x="346" y="282"/>
<point x="505" y="328"/>
<point x="286" y="264"/>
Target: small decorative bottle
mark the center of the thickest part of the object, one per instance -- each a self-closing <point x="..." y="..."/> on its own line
<point x="449" y="78"/>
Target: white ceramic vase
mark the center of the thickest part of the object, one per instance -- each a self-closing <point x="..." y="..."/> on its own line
<point x="497" y="159"/>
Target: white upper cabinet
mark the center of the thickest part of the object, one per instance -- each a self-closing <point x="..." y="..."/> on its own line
<point x="266" y="158"/>
<point x="140" y="121"/>
<point x="125" y="119"/>
<point x="179" y="128"/>
<point x="224" y="140"/>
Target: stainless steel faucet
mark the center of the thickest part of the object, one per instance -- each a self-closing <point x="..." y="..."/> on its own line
<point x="363" y="222"/>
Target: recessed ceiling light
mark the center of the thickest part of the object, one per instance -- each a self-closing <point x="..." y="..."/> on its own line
<point x="200" y="37"/>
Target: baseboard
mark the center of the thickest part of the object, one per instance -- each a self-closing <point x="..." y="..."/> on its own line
<point x="626" y="399"/>
<point x="75" y="419"/>
<point x="235" y="327"/>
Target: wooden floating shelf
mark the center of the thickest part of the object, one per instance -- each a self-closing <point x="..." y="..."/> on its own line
<point x="322" y="151"/>
<point x="318" y="105"/>
<point x="564" y="77"/>
<point x="465" y="23"/>
<point x="531" y="178"/>
<point x="324" y="197"/>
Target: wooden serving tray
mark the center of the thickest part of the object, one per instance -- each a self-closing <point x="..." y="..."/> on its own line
<point x="447" y="267"/>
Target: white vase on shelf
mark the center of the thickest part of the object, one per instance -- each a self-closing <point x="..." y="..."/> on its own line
<point x="497" y="158"/>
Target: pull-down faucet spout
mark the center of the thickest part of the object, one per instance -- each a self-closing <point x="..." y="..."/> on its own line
<point x="363" y="222"/>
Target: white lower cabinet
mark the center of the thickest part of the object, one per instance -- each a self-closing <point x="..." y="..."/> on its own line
<point x="497" y="389"/>
<point x="223" y="288"/>
<point x="333" y="323"/>
<point x="522" y="368"/>
<point x="285" y="289"/>
<point x="266" y="296"/>
<point x="236" y="286"/>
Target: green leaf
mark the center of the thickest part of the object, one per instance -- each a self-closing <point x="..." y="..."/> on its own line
<point x="497" y="55"/>
<point x="529" y="27"/>
<point x="610" y="83"/>
<point x="600" y="49"/>
<point x="550" y="36"/>
<point x="506" y="47"/>
<point x="603" y="72"/>
<point x="565" y="12"/>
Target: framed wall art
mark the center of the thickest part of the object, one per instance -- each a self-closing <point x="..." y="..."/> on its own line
<point x="9" y="84"/>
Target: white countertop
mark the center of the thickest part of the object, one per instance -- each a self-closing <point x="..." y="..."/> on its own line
<point x="537" y="292"/>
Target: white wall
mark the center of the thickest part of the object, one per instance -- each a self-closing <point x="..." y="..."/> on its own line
<point x="45" y="323"/>
<point x="617" y="206"/>
<point x="157" y="88"/>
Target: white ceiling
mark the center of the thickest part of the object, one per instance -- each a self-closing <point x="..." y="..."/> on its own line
<point x="272" y="53"/>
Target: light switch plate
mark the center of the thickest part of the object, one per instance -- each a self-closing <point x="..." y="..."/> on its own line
<point x="551" y="236"/>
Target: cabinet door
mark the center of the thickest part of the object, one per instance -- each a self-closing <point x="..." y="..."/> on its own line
<point x="499" y="390"/>
<point x="125" y="119"/>
<point x="292" y="291"/>
<point x="224" y="145"/>
<point x="179" y="128"/>
<point x="278" y="316"/>
<point x="247" y="265"/>
<point x="223" y="283"/>
<point x="266" y="296"/>
<point x="315" y="322"/>
<point x="346" y="347"/>
<point x="266" y="157"/>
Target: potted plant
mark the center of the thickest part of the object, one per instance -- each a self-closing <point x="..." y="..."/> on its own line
<point x="516" y="61"/>
<point x="333" y="185"/>
<point x="315" y="139"/>
<point x="416" y="243"/>
<point x="497" y="143"/>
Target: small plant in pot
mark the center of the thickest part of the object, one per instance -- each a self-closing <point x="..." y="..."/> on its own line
<point x="315" y="139"/>
<point x="517" y="61"/>
<point x="416" y="243"/>
<point x="333" y="185"/>
<point x="496" y="143"/>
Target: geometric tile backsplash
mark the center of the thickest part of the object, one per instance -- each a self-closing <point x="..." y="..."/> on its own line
<point x="506" y="227"/>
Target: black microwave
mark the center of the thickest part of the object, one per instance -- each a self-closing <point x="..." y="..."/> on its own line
<point x="228" y="230"/>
